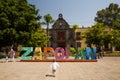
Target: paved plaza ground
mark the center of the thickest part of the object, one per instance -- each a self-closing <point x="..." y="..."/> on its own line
<point x="107" y="68"/>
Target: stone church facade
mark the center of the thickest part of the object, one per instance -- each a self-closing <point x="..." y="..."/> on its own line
<point x="64" y="36"/>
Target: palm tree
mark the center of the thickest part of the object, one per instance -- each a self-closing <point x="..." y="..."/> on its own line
<point x="48" y="20"/>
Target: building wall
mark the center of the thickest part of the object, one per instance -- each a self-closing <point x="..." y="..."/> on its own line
<point x="82" y="39"/>
<point x="64" y="36"/>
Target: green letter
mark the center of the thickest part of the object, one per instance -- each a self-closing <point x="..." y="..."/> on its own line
<point x="27" y="50"/>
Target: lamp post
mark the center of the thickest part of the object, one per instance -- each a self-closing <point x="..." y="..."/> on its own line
<point x="113" y="48"/>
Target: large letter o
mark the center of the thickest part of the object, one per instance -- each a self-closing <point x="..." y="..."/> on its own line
<point x="57" y="52"/>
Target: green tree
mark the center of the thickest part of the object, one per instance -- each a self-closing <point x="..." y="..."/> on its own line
<point x="38" y="38"/>
<point x="96" y="34"/>
<point x="115" y="38"/>
<point x="109" y="16"/>
<point x="99" y="34"/>
<point x="18" y="21"/>
<point x="48" y="20"/>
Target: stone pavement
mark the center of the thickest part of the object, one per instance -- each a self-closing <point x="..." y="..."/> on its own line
<point x="107" y="68"/>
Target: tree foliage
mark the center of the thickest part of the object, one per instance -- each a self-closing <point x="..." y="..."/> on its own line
<point x="38" y="38"/>
<point x="115" y="38"/>
<point x="95" y="35"/>
<point x="106" y="30"/>
<point x="47" y="21"/>
<point x="110" y="16"/>
<point x="19" y="21"/>
<point x="99" y="34"/>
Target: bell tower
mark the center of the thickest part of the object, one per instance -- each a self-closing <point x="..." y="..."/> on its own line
<point x="61" y="33"/>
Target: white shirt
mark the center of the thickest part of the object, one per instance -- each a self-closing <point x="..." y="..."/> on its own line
<point x="54" y="65"/>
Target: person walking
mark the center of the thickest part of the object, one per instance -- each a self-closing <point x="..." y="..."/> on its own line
<point x="54" y="66"/>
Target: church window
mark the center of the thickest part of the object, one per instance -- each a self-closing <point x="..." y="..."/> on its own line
<point x="78" y="35"/>
<point x="60" y="35"/>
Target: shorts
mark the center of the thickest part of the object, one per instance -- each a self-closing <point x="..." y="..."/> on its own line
<point x="6" y="57"/>
<point x="54" y="70"/>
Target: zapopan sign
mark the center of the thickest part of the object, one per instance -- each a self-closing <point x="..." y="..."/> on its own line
<point x="59" y="53"/>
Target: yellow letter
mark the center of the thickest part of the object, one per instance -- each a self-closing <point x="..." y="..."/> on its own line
<point x="37" y="53"/>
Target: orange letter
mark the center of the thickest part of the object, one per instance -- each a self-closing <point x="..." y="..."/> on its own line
<point x="48" y="51"/>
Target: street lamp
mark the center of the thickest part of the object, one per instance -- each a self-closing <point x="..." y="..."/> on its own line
<point x="112" y="44"/>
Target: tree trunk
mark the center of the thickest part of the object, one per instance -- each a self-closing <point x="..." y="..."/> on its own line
<point x="47" y="34"/>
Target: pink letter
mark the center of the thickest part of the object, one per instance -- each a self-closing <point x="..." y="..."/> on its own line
<point x="59" y="53"/>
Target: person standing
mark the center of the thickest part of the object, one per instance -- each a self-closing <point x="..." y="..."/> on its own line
<point x="6" y="52"/>
<point x="12" y="54"/>
<point x="99" y="53"/>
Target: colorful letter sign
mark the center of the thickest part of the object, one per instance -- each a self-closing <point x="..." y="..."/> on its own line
<point x="37" y="53"/>
<point x="93" y="53"/>
<point x="59" y="53"/>
<point x="79" y="51"/>
<point x="27" y="50"/>
<point x="48" y="51"/>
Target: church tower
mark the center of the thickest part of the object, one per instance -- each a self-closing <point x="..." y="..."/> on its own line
<point x="61" y="33"/>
